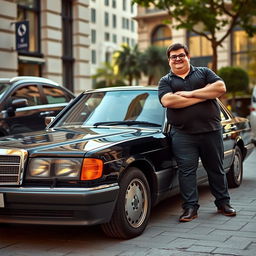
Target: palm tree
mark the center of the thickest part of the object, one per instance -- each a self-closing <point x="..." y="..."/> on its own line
<point x="108" y="74"/>
<point x="128" y="61"/>
<point x="154" y="63"/>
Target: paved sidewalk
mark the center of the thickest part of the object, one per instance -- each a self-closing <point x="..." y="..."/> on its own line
<point x="209" y="234"/>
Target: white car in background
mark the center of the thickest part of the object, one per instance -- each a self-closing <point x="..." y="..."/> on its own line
<point x="253" y="111"/>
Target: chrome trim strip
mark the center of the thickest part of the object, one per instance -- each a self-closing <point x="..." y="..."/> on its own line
<point x="40" y="189"/>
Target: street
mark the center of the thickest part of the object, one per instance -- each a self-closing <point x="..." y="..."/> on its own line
<point x="209" y="234"/>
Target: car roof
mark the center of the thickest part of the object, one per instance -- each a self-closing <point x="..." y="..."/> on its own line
<point x="28" y="79"/>
<point x="124" y="88"/>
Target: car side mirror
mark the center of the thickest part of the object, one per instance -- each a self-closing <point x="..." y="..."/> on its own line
<point x="19" y="103"/>
<point x="48" y="119"/>
<point x="16" y="103"/>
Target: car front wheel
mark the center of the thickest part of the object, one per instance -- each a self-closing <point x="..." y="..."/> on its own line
<point x="235" y="173"/>
<point x="133" y="206"/>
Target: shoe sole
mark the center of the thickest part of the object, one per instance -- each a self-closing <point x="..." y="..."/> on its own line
<point x="227" y="214"/>
<point x="187" y="220"/>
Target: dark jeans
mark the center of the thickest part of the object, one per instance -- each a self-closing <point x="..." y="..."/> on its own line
<point x="187" y="149"/>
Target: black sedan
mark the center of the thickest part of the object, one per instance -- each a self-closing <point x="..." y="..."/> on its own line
<point x="105" y="159"/>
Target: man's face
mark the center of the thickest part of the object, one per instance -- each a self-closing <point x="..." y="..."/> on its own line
<point x="179" y="62"/>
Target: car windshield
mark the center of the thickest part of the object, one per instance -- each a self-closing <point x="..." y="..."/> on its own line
<point x="138" y="108"/>
<point x="3" y="88"/>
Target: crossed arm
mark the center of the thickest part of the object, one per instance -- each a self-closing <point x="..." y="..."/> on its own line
<point x="182" y="99"/>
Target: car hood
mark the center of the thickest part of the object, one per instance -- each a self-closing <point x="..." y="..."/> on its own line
<point x="75" y="141"/>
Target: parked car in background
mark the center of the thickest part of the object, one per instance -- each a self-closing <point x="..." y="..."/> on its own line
<point x="105" y="159"/>
<point x="253" y="112"/>
<point x="25" y="101"/>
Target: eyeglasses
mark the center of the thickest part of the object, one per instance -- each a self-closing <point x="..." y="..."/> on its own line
<point x="180" y="56"/>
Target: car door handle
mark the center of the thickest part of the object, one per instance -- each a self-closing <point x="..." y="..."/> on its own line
<point x="46" y="113"/>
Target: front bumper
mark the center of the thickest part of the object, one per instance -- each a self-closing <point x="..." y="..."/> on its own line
<point x="58" y="206"/>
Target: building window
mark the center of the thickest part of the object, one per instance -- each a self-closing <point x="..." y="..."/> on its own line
<point x="200" y="49"/>
<point x="132" y="8"/>
<point x="132" y="26"/>
<point x="29" y="10"/>
<point x="114" y="3"/>
<point x="114" y="38"/>
<point x="243" y="52"/>
<point x="108" y="56"/>
<point x="162" y="36"/>
<point x="93" y="15"/>
<point x="123" y="23"/>
<point x="106" y="2"/>
<point x="106" y="19"/>
<point x="124" y="5"/>
<point x="107" y="36"/>
<point x="67" y="44"/>
<point x="93" y="36"/>
<point x="114" y="21"/>
<point x="93" y="57"/>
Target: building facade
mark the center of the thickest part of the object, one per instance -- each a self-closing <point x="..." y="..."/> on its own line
<point x="111" y="25"/>
<point x="58" y="41"/>
<point x="237" y="50"/>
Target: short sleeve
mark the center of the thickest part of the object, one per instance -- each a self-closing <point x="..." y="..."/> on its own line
<point x="211" y="77"/>
<point x="164" y="86"/>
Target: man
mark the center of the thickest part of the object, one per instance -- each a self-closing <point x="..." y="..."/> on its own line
<point x="189" y="94"/>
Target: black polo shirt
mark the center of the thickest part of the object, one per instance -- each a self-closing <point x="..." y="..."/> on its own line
<point x="198" y="118"/>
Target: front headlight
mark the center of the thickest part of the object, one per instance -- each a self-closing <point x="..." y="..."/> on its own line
<point x="54" y="168"/>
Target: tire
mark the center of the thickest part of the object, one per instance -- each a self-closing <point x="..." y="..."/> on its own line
<point x="235" y="173"/>
<point x="133" y="206"/>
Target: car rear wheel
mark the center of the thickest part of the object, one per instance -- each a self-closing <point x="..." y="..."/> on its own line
<point x="235" y="173"/>
<point x="133" y="206"/>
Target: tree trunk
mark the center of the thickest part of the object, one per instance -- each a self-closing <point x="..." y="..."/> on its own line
<point x="214" y="57"/>
<point x="130" y="80"/>
<point x="150" y="79"/>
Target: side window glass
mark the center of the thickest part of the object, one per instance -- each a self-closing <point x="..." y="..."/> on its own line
<point x="55" y="95"/>
<point x="29" y="92"/>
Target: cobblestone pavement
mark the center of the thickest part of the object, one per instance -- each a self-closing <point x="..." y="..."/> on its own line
<point x="209" y="234"/>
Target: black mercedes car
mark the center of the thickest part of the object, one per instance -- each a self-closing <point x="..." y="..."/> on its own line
<point x="105" y="159"/>
<point x="25" y="101"/>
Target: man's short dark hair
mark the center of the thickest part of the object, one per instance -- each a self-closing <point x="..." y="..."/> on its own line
<point x="175" y="47"/>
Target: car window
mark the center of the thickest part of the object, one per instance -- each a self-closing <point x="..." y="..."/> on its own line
<point x="55" y="95"/>
<point x="29" y="92"/>
<point x="4" y="87"/>
<point x="115" y="106"/>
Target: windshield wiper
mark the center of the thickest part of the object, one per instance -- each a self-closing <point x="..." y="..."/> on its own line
<point x="126" y="122"/>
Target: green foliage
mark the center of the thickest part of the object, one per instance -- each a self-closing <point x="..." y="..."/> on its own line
<point x="235" y="78"/>
<point x="128" y="61"/>
<point x="207" y="17"/>
<point x="154" y="63"/>
<point x="106" y="75"/>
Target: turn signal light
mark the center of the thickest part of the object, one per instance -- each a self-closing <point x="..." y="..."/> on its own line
<point x="91" y="169"/>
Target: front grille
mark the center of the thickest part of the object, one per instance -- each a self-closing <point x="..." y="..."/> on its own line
<point x="10" y="168"/>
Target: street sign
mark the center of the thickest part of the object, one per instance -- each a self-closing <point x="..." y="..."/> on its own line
<point x="22" y="35"/>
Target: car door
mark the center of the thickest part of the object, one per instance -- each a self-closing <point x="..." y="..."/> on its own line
<point x="229" y="129"/>
<point x="27" y="118"/>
